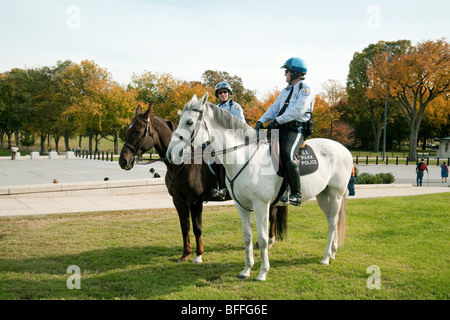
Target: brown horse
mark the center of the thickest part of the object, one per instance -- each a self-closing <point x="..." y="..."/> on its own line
<point x="188" y="184"/>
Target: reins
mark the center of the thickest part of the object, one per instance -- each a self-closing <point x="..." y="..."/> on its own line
<point x="222" y="152"/>
<point x="148" y="131"/>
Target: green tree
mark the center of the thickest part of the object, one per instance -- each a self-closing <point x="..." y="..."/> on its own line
<point x="86" y="84"/>
<point x="367" y="107"/>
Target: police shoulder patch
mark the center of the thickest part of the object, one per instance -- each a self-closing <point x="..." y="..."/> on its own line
<point x="306" y="91"/>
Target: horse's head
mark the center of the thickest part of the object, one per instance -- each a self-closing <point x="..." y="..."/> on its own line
<point x="192" y="130"/>
<point x="139" y="138"/>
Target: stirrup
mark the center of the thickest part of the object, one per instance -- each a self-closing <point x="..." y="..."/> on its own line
<point x="284" y="199"/>
<point x="219" y="193"/>
<point x="295" y="199"/>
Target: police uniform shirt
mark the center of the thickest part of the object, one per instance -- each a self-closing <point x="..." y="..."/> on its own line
<point x="235" y="109"/>
<point x="300" y="106"/>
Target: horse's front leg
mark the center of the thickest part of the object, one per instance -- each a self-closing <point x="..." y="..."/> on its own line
<point x="262" y="225"/>
<point x="183" y="214"/>
<point x="196" y="209"/>
<point x="246" y="219"/>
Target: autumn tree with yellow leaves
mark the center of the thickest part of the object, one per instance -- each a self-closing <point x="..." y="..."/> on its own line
<point x="416" y="78"/>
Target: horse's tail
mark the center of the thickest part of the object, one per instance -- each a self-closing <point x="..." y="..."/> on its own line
<point x="341" y="223"/>
<point x="281" y="222"/>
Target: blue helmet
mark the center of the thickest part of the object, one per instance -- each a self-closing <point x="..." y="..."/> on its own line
<point x="223" y="85"/>
<point x="295" y="64"/>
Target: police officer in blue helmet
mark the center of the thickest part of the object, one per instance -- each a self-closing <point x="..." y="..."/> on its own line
<point x="290" y="113"/>
<point x="223" y="92"/>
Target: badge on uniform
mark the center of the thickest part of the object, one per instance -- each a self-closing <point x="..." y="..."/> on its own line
<point x="305" y="91"/>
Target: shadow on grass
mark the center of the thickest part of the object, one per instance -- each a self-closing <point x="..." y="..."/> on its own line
<point x="149" y="272"/>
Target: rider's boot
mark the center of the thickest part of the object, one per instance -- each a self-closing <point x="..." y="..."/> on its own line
<point x="220" y="192"/>
<point x="293" y="178"/>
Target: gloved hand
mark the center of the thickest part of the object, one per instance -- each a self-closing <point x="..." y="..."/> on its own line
<point x="259" y="125"/>
<point x="273" y="125"/>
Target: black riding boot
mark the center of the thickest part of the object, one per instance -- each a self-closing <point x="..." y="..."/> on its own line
<point x="293" y="178"/>
<point x="221" y="191"/>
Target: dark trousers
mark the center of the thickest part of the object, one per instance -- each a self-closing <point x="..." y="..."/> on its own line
<point x="290" y="142"/>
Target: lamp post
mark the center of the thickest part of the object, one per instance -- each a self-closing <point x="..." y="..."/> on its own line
<point x="389" y="48"/>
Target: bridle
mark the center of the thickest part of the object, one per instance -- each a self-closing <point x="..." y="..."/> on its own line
<point x="196" y="130"/>
<point x="148" y="131"/>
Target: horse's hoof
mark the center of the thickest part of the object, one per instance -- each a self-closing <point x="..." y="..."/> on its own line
<point x="325" y="262"/>
<point x="243" y="277"/>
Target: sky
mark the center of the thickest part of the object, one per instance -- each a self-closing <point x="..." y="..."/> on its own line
<point x="251" y="39"/>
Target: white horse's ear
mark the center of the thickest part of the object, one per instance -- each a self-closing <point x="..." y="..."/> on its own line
<point x="204" y="99"/>
<point x="179" y="112"/>
<point x="194" y="99"/>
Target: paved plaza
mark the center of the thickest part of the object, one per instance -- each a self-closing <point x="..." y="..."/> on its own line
<point x="79" y="172"/>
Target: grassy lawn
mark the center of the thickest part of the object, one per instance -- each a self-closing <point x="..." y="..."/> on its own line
<point x="133" y="254"/>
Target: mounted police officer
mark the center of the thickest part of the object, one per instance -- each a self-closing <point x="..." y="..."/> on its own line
<point x="224" y="92"/>
<point x="290" y="113"/>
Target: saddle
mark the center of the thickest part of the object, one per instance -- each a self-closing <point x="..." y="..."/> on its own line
<point x="306" y="160"/>
<point x="305" y="157"/>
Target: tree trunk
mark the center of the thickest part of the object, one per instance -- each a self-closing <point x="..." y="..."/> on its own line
<point x="116" y="142"/>
<point x="43" y="136"/>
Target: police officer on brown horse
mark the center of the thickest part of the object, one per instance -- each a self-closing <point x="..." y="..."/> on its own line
<point x="290" y="113"/>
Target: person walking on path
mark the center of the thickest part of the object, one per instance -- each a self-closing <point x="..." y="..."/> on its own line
<point x="444" y="172"/>
<point x="351" y="183"/>
<point x="421" y="167"/>
<point x="14" y="151"/>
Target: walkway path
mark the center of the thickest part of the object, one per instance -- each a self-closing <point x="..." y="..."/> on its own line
<point x="76" y="173"/>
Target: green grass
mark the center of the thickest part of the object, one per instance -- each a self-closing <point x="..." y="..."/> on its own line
<point x="133" y="254"/>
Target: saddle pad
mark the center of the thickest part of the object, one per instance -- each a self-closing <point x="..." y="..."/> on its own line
<point x="307" y="161"/>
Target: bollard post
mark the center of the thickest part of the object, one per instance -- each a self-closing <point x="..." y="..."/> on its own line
<point x="356" y="159"/>
<point x="367" y="159"/>
<point x="376" y="161"/>
<point x="103" y="155"/>
<point x="387" y="160"/>
<point x="396" y="161"/>
<point x="437" y="161"/>
<point x="111" y="156"/>
<point x="428" y="160"/>
<point x="407" y="159"/>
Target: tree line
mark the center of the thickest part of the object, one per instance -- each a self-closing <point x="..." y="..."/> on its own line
<point x="81" y="99"/>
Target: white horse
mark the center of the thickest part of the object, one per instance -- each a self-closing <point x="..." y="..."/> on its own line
<point x="251" y="174"/>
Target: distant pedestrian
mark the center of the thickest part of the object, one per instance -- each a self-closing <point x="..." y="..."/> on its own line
<point x="14" y="150"/>
<point x="444" y="172"/>
<point x="351" y="183"/>
<point x="154" y="173"/>
<point x="421" y="167"/>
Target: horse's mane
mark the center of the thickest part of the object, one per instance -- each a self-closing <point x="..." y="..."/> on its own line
<point x="222" y="117"/>
<point x="172" y="126"/>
